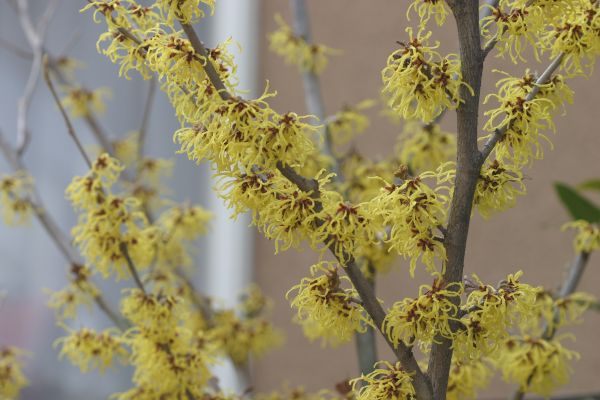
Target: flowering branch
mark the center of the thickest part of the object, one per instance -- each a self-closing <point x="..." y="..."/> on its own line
<point x="544" y="78"/>
<point x="35" y="37"/>
<point x="568" y="287"/>
<point x="361" y="284"/>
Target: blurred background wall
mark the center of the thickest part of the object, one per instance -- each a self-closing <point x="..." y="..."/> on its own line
<point x="527" y="237"/>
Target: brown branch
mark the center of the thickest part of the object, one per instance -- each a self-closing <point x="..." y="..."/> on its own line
<point x="131" y="266"/>
<point x="467" y="172"/>
<point x="70" y="129"/>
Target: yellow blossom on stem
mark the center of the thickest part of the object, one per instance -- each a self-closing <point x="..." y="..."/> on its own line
<point x="425" y="147"/>
<point x="387" y="382"/>
<point x="424" y="317"/>
<point x="497" y="188"/>
<point x="412" y="211"/>
<point x="428" y="8"/>
<point x="418" y="82"/>
<point x="296" y="51"/>
<point x="325" y="308"/>
<point x="185" y="11"/>
<point x="348" y="122"/>
<point x="82" y="102"/>
<point x="12" y="379"/>
<point x="80" y="291"/>
<point x="15" y="193"/>
<point x="536" y="365"/>
<point x="466" y="378"/>
<point x="89" y="350"/>
<point x="587" y="238"/>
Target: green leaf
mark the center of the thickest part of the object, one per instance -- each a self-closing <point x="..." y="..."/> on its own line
<point x="592" y="184"/>
<point x="578" y="206"/>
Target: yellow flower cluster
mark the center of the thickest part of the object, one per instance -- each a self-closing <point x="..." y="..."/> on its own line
<point x="428" y="8"/>
<point x="425" y="147"/>
<point x="110" y="229"/>
<point x="524" y="118"/>
<point x="185" y="11"/>
<point x="241" y="338"/>
<point x="325" y="308"/>
<point x="80" y="291"/>
<point x="82" y="102"/>
<point x="497" y="188"/>
<point x="418" y="83"/>
<point x="349" y="122"/>
<point x="536" y="365"/>
<point x="491" y="312"/>
<point x="15" y="194"/>
<point x="169" y="359"/>
<point x="12" y="379"/>
<point x="545" y="26"/>
<point x="466" y="378"/>
<point x="89" y="350"/>
<point x="388" y="382"/>
<point x="296" y="50"/>
<point x="587" y="238"/>
<point x="411" y="211"/>
<point x="424" y="317"/>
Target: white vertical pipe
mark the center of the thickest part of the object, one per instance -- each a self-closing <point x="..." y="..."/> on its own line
<point x="230" y="252"/>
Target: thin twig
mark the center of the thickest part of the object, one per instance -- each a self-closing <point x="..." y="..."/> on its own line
<point x="35" y="37"/>
<point x="131" y="266"/>
<point x="61" y="240"/>
<point x="64" y="114"/>
<point x="146" y="119"/>
<point x="313" y="94"/>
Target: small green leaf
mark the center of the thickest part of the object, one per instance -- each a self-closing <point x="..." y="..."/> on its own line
<point x="592" y="184"/>
<point x="578" y="206"/>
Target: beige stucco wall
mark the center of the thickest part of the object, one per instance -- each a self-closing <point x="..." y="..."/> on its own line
<point x="527" y="237"/>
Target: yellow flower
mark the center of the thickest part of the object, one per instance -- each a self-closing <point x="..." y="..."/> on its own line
<point x="497" y="188"/>
<point x="411" y="211"/>
<point x="80" y="291"/>
<point x="388" y="382"/>
<point x="82" y="102"/>
<point x="536" y="365"/>
<point x="15" y="198"/>
<point x="12" y="379"/>
<point x="243" y="338"/>
<point x="348" y="122"/>
<point x="186" y="11"/>
<point x="587" y="238"/>
<point x="425" y="147"/>
<point x="89" y="350"/>
<point x="296" y="51"/>
<point x="423" y="317"/>
<point x="418" y="82"/>
<point x="428" y="8"/>
<point x="325" y="308"/>
<point x="466" y="377"/>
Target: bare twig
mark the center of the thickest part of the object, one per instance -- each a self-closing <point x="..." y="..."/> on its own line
<point x="146" y="119"/>
<point x="131" y="266"/>
<point x="64" y="114"/>
<point x="35" y="37"/>
<point x="366" y="346"/>
<point x="312" y="86"/>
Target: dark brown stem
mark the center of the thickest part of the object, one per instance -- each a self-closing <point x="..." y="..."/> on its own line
<point x="467" y="171"/>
